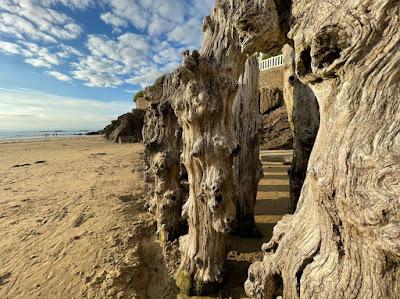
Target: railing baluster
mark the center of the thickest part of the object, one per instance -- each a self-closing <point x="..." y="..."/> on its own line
<point x="271" y="62"/>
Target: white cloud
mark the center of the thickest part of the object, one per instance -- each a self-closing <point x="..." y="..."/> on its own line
<point x="146" y="78"/>
<point x="39" y="31"/>
<point x="167" y="54"/>
<point x="17" y="26"/>
<point x="78" y="4"/>
<point x="22" y="109"/>
<point x="59" y="76"/>
<point x="38" y="56"/>
<point x="113" y="20"/>
<point x="42" y="53"/>
<point x="111" y="60"/>
<point x="37" y="62"/>
<point x="164" y="28"/>
<point x="140" y="58"/>
<point x="35" y="19"/>
<point x="179" y="19"/>
<point x="201" y="7"/>
<point x="67" y="51"/>
<point x="181" y="33"/>
<point x="132" y="91"/>
<point x="159" y="26"/>
<point x="94" y="79"/>
<point x="13" y="48"/>
<point x="130" y="10"/>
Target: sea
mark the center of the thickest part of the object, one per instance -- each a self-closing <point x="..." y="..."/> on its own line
<point x="14" y="135"/>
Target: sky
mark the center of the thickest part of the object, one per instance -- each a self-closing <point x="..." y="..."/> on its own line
<point x="76" y="64"/>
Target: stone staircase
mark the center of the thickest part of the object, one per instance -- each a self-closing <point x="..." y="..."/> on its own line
<point x="273" y="190"/>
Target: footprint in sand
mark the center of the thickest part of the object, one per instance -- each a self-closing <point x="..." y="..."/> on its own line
<point x="21" y="165"/>
<point x="4" y="278"/>
<point x="28" y="164"/>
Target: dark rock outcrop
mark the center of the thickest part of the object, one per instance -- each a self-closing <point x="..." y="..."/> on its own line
<point x="128" y="127"/>
<point x="270" y="99"/>
<point x="275" y="128"/>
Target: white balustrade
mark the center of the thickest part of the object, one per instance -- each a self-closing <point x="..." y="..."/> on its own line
<point x="271" y="63"/>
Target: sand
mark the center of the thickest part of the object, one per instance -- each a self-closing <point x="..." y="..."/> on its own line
<point x="72" y="223"/>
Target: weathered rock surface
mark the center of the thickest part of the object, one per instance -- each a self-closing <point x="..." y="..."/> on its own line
<point x="270" y="99"/>
<point x="128" y="126"/>
<point x="162" y="138"/>
<point x="204" y="110"/>
<point x="275" y="130"/>
<point x="262" y="25"/>
<point x="204" y="90"/>
<point x="343" y="240"/>
<point x="206" y="86"/>
<point x="247" y="168"/>
<point x="303" y="113"/>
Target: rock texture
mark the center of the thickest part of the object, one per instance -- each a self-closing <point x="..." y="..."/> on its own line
<point x="204" y="110"/>
<point x="271" y="99"/>
<point x="206" y="85"/>
<point x="247" y="169"/>
<point x="128" y="125"/>
<point x="204" y="90"/>
<point x="303" y="113"/>
<point x="262" y="26"/>
<point x="162" y="138"/>
<point x="343" y="240"/>
<point x="275" y="129"/>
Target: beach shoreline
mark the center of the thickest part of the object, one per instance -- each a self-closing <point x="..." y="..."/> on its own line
<point x="44" y="139"/>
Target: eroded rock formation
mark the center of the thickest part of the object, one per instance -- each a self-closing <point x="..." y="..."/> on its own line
<point x="343" y="240"/>
<point x="205" y="87"/>
<point x="271" y="99"/>
<point x="163" y="144"/>
<point x="303" y="113"/>
<point x="205" y="90"/>
<point x="262" y="26"/>
<point x="275" y="129"/>
<point x="128" y="126"/>
<point x="247" y="169"/>
<point x="204" y="108"/>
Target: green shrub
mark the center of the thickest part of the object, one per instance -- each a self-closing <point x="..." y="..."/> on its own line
<point x="139" y="94"/>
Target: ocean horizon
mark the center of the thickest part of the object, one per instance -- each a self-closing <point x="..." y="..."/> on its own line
<point x="34" y="134"/>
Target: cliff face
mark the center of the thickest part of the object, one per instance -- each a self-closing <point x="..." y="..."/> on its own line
<point x="275" y="129"/>
<point x="128" y="125"/>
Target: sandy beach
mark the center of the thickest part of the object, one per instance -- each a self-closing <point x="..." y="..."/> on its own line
<point x="72" y="223"/>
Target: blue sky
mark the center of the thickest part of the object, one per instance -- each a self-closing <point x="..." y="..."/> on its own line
<point x="76" y="64"/>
